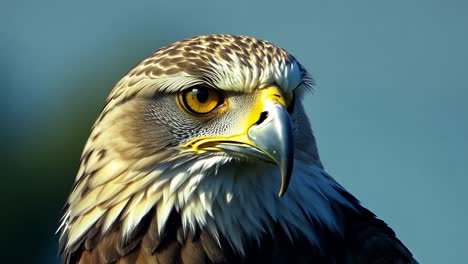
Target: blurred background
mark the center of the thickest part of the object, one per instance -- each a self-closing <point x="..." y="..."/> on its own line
<point x="389" y="111"/>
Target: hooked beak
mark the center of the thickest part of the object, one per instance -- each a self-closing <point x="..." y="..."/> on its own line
<point x="270" y="138"/>
<point x="274" y="137"/>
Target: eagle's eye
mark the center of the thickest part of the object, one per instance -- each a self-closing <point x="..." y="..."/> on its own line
<point x="200" y="100"/>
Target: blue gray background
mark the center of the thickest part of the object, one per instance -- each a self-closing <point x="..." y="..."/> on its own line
<point x="389" y="110"/>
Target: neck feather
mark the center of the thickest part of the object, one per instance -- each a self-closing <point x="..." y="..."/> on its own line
<point x="233" y="199"/>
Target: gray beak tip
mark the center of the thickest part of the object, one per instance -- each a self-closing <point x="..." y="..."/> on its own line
<point x="286" y="173"/>
<point x="281" y="192"/>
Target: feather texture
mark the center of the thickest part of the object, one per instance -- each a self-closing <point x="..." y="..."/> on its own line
<point x="140" y="196"/>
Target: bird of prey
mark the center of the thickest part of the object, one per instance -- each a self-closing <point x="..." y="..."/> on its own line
<point x="203" y="154"/>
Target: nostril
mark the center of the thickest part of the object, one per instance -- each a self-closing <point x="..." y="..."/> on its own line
<point x="262" y="118"/>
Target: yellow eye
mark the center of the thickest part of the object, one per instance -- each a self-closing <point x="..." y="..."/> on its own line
<point x="200" y="100"/>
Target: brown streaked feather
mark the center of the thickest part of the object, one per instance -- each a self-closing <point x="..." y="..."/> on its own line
<point x="89" y="257"/>
<point x="169" y="252"/>
<point x="151" y="239"/>
<point x="139" y="256"/>
<point x="127" y="244"/>
<point x="107" y="248"/>
<point x="366" y="240"/>
<point x="193" y="252"/>
<point x="93" y="237"/>
<point x="212" y="249"/>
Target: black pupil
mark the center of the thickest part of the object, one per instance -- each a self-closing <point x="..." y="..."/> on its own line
<point x="201" y="94"/>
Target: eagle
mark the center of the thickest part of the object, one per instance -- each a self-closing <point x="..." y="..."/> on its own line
<point x="203" y="153"/>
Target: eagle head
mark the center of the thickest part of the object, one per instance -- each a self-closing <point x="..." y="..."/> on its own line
<point x="207" y="131"/>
